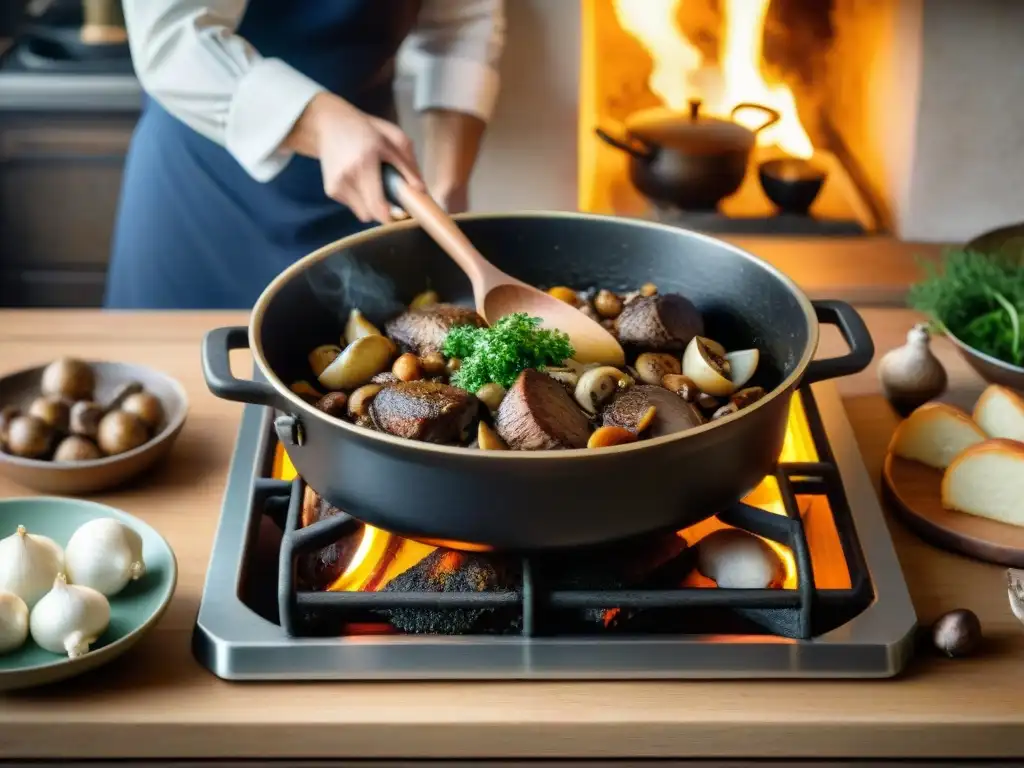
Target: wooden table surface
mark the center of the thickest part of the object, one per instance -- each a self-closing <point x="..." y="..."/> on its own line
<point x="158" y="702"/>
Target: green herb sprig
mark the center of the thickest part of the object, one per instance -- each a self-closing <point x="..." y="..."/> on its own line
<point x="504" y="350"/>
<point x="979" y="298"/>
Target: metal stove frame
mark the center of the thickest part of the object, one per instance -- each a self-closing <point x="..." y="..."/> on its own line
<point x="236" y="643"/>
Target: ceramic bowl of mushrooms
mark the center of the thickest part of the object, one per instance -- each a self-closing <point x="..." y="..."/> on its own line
<point x="76" y="427"/>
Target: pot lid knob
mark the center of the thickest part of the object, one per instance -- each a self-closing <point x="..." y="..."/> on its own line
<point x="695" y="108"/>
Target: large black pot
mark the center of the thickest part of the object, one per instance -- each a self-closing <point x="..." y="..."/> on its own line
<point x="691" y="162"/>
<point x="547" y="499"/>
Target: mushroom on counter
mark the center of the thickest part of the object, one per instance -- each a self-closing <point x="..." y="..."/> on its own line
<point x="29" y="437"/>
<point x="76" y="448"/>
<point x="957" y="633"/>
<point x="52" y="409"/>
<point x="661" y="322"/>
<point x="85" y="419"/>
<point x="120" y="431"/>
<point x="7" y="414"/>
<point x="69" y="379"/>
<point x="122" y="393"/>
<point x="146" y="407"/>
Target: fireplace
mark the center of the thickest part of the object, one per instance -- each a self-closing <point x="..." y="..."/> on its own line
<point x="638" y="54"/>
<point x="912" y="105"/>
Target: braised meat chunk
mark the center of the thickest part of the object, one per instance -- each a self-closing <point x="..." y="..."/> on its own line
<point x="423" y="410"/>
<point x="423" y="330"/>
<point x="538" y="414"/>
<point x="664" y="322"/>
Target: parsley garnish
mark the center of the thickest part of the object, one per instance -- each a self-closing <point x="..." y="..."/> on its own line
<point x="504" y="350"/>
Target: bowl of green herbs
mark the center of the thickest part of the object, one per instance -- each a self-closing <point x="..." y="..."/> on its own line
<point x="976" y="297"/>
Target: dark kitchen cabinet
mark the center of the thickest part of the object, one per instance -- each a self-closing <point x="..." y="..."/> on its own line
<point x="60" y="177"/>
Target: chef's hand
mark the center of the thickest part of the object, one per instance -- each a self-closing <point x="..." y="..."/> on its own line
<point x="351" y="146"/>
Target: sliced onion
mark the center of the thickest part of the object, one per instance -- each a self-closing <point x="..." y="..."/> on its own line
<point x="358" y="326"/>
<point x="360" y="361"/>
<point x="698" y="365"/>
<point x="742" y="366"/>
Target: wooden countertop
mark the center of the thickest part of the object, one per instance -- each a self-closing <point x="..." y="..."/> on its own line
<point x="157" y="702"/>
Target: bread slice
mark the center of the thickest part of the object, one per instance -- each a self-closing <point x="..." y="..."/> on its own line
<point x="934" y="434"/>
<point x="1000" y="413"/>
<point x="987" y="480"/>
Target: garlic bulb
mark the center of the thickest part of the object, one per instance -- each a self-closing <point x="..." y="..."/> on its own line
<point x="911" y="375"/>
<point x="104" y="554"/>
<point x="28" y="564"/>
<point x="69" y="618"/>
<point x="13" y="622"/>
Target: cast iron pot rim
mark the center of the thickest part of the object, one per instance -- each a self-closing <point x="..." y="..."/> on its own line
<point x="301" y="406"/>
<point x="171" y="427"/>
<point x="737" y="139"/>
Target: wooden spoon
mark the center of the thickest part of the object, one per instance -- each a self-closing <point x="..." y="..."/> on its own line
<point x="497" y="294"/>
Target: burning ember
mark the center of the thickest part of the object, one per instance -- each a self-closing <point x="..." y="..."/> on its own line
<point x="681" y="72"/>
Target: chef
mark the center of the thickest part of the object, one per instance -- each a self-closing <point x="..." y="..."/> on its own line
<point x="265" y="126"/>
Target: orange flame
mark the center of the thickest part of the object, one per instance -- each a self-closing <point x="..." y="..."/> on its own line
<point x="379" y="558"/>
<point x="680" y="72"/>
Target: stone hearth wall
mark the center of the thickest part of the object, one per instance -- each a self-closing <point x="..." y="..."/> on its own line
<point x="928" y="95"/>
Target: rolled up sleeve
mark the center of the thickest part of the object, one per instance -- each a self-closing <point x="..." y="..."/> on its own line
<point x="454" y="52"/>
<point x="188" y="57"/>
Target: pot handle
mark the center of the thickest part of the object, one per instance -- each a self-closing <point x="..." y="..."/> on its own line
<point x="855" y="333"/>
<point x="772" y="116"/>
<point x="217" y="346"/>
<point x="631" y="146"/>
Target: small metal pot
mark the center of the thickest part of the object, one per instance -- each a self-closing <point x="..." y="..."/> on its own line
<point x="689" y="161"/>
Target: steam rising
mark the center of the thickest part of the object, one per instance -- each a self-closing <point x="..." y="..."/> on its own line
<point x="342" y="282"/>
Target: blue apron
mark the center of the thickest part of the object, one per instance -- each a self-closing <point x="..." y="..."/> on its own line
<point x="194" y="230"/>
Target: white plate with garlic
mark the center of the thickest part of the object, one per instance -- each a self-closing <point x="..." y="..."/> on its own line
<point x="80" y="583"/>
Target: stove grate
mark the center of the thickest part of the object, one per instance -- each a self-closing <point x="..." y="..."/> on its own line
<point x="538" y="602"/>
